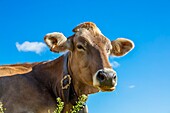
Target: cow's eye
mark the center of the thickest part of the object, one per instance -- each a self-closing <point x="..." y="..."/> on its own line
<point x="80" y="47"/>
<point x="108" y="50"/>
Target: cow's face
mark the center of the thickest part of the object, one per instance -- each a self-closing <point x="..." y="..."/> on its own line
<point x="90" y="50"/>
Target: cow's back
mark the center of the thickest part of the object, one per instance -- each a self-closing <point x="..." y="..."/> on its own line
<point x="13" y="69"/>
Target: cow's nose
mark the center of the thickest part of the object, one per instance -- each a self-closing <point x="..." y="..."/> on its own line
<point x="107" y="79"/>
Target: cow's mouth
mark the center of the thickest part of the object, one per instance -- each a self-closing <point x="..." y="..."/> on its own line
<point x="103" y="89"/>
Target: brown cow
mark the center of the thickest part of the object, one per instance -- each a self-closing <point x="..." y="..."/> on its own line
<point x="84" y="69"/>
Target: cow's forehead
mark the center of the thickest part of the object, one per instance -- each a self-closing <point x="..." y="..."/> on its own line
<point x="90" y="32"/>
<point x="92" y="37"/>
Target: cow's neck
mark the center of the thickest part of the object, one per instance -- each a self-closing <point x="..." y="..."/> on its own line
<point x="80" y="87"/>
<point x="49" y="75"/>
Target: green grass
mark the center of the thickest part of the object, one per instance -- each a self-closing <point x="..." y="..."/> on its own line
<point x="1" y="108"/>
<point x="60" y="106"/>
<point x="79" y="105"/>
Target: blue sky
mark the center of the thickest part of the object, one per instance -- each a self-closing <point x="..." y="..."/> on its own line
<point x="143" y="74"/>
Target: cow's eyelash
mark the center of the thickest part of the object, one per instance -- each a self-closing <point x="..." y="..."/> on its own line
<point x="108" y="50"/>
<point x="80" y="47"/>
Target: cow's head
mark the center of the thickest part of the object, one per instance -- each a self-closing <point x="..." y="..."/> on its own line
<point x="90" y="51"/>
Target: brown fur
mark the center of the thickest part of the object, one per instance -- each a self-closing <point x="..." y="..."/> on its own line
<point x="89" y="26"/>
<point x="9" y="70"/>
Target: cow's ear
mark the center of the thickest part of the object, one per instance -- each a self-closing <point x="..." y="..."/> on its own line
<point x="57" y="42"/>
<point x="121" y="46"/>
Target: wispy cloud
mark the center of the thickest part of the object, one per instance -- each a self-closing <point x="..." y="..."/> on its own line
<point x="131" y="86"/>
<point x="114" y="64"/>
<point x="27" y="46"/>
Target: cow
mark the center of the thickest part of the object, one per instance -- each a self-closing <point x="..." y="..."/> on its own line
<point x="83" y="69"/>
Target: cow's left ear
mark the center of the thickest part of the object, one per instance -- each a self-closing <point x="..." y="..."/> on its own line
<point x="121" y="46"/>
<point x="57" y="42"/>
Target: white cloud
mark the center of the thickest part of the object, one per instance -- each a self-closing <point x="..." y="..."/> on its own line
<point x="27" y="46"/>
<point x="114" y="64"/>
<point x="132" y="86"/>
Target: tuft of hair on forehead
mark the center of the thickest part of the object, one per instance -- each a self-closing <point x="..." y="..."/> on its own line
<point x="89" y="26"/>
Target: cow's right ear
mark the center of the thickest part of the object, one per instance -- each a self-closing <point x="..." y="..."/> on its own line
<point x="57" y="42"/>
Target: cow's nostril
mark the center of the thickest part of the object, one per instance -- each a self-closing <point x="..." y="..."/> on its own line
<point x="114" y="77"/>
<point x="101" y="76"/>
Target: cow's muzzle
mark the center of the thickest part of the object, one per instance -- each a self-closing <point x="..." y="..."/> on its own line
<point x="105" y="79"/>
